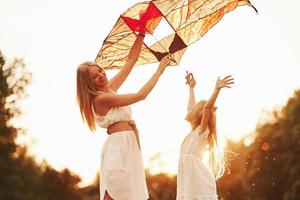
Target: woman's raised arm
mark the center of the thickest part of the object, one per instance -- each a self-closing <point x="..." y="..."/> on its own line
<point x="120" y="77"/>
<point x="113" y="100"/>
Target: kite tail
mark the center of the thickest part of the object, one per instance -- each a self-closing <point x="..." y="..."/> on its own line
<point x="253" y="7"/>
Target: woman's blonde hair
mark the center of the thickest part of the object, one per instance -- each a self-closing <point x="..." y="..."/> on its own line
<point x="217" y="160"/>
<point x="85" y="93"/>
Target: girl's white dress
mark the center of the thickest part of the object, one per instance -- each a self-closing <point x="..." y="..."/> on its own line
<point x="194" y="180"/>
<point x="121" y="172"/>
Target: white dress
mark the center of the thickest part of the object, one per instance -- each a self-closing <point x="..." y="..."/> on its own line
<point x="194" y="180"/>
<point x="121" y="172"/>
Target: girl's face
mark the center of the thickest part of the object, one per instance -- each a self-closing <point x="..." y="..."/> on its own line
<point x="98" y="76"/>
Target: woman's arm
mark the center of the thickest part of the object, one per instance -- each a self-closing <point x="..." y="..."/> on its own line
<point x="208" y="106"/>
<point x="113" y="100"/>
<point x="119" y="78"/>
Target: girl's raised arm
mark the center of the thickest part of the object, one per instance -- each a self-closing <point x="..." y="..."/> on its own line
<point x="208" y="107"/>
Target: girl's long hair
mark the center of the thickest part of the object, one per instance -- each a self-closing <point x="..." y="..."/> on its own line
<point x="85" y="94"/>
<point x="217" y="162"/>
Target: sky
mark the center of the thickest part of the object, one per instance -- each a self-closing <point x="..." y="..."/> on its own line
<point x="260" y="51"/>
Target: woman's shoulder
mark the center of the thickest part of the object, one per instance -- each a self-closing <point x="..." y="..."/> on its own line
<point x="101" y="96"/>
<point x="99" y="104"/>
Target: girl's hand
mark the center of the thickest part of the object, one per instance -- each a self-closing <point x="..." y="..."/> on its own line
<point x="225" y="82"/>
<point x="190" y="79"/>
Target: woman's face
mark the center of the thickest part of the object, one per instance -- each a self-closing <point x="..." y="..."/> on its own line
<point x="98" y="76"/>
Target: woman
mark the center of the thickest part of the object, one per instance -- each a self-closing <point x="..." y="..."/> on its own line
<point x="194" y="179"/>
<point x="121" y="172"/>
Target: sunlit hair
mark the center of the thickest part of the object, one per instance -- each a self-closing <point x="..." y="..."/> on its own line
<point x="217" y="160"/>
<point x="85" y="93"/>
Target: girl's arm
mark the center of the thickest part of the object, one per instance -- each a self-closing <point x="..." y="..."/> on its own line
<point x="208" y="107"/>
<point x="191" y="82"/>
<point x="191" y="102"/>
<point x="116" y="100"/>
<point x="119" y="78"/>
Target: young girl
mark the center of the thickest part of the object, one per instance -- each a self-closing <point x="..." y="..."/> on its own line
<point x="194" y="179"/>
<point x="121" y="172"/>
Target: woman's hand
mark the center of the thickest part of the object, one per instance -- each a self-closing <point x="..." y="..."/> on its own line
<point x="225" y="82"/>
<point x="190" y="79"/>
<point x="164" y="63"/>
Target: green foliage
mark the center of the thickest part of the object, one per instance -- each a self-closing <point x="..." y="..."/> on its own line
<point x="161" y="186"/>
<point x="232" y="185"/>
<point x="59" y="185"/>
<point x="21" y="178"/>
<point x="13" y="79"/>
<point x="92" y="191"/>
<point x="270" y="167"/>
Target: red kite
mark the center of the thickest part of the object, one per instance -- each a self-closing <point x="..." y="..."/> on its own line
<point x="185" y="22"/>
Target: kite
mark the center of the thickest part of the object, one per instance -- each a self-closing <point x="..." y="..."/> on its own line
<point x="174" y="25"/>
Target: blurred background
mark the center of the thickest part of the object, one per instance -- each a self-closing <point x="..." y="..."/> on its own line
<point x="47" y="153"/>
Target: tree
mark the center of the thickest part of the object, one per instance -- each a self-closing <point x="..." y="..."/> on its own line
<point x="21" y="178"/>
<point x="59" y="185"/>
<point x="269" y="168"/>
<point x="278" y="144"/>
<point x="13" y="80"/>
<point x="232" y="185"/>
<point x="161" y="186"/>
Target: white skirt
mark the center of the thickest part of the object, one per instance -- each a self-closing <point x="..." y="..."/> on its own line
<point x="122" y="172"/>
<point x="194" y="181"/>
